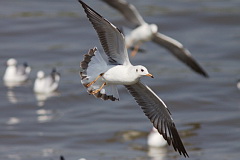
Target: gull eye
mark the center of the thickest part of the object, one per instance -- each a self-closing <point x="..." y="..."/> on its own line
<point x="142" y="70"/>
<point x="136" y="70"/>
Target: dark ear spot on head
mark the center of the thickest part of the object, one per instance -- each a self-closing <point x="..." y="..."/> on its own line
<point x="136" y="70"/>
<point x="142" y="70"/>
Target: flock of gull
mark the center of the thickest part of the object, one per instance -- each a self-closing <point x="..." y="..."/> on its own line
<point x="101" y="75"/>
<point x="16" y="75"/>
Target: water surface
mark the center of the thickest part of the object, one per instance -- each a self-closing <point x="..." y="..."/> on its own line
<point x="49" y="34"/>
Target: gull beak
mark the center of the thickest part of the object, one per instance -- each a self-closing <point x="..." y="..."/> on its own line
<point x="149" y="75"/>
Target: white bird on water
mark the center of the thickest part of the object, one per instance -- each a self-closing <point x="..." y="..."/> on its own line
<point x="101" y="78"/>
<point x="16" y="73"/>
<point x="155" y="139"/>
<point x="46" y="84"/>
<point x="144" y="32"/>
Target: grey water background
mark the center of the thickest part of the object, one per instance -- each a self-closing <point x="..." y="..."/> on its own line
<point x="50" y="33"/>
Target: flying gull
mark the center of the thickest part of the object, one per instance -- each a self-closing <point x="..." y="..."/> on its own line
<point x="101" y="78"/>
<point x="149" y="32"/>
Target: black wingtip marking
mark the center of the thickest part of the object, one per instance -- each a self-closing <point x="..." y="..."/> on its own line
<point x="83" y="74"/>
<point x="86" y="59"/>
<point x="25" y="64"/>
<point x="62" y="158"/>
<point x="164" y="127"/>
<point x="105" y="97"/>
<point x="87" y="8"/>
<point x="197" y="68"/>
<point x="205" y="74"/>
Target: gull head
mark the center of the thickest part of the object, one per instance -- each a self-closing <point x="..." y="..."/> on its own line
<point x="142" y="71"/>
<point x="40" y="74"/>
<point x="12" y="62"/>
<point x="154" y="28"/>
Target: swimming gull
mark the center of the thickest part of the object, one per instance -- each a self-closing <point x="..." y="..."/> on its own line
<point x="101" y="78"/>
<point x="16" y="73"/>
<point x="144" y="32"/>
<point x="46" y="84"/>
<point x="154" y="139"/>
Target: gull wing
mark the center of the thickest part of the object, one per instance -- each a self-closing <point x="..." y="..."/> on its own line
<point x="158" y="113"/>
<point x="128" y="10"/>
<point x="177" y="49"/>
<point x="21" y="70"/>
<point x="111" y="38"/>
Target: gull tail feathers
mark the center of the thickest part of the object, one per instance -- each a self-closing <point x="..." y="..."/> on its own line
<point x="92" y="66"/>
<point x="108" y="92"/>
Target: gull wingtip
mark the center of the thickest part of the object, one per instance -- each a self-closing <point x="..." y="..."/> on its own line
<point x="204" y="74"/>
<point x="82" y="3"/>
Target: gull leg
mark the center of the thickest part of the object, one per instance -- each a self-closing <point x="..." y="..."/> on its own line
<point x="99" y="89"/>
<point x="89" y="84"/>
<point x="136" y="48"/>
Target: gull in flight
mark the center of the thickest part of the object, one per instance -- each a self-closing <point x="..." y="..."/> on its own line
<point x="101" y="76"/>
<point x="46" y="84"/>
<point x="149" y="32"/>
<point x="16" y="73"/>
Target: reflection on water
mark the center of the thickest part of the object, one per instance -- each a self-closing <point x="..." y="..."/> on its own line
<point x="42" y="97"/>
<point x="128" y="135"/>
<point x="14" y="156"/>
<point x="11" y="97"/>
<point x="46" y="152"/>
<point x="11" y="85"/>
<point x="44" y="115"/>
<point x="191" y="130"/>
<point x="157" y="153"/>
<point x="13" y="121"/>
<point x="132" y="135"/>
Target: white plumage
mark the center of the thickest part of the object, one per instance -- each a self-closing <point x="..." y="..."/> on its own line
<point x="140" y="34"/>
<point x="238" y="84"/>
<point x="101" y="77"/>
<point x="16" y="73"/>
<point x="144" y="32"/>
<point x="155" y="139"/>
<point x="46" y="84"/>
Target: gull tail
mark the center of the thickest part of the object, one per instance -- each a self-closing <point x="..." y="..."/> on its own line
<point x="92" y="66"/>
<point x="55" y="75"/>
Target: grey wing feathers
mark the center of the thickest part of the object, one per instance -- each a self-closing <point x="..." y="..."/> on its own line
<point x="177" y="49"/>
<point x="127" y="10"/>
<point x="84" y="64"/>
<point x="155" y="109"/>
<point x="21" y="70"/>
<point x="83" y="74"/>
<point x="111" y="38"/>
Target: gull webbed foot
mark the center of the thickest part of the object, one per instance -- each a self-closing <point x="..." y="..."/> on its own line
<point x="89" y="84"/>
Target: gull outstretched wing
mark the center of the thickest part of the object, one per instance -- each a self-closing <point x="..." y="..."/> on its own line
<point x="158" y="113"/>
<point x="128" y="10"/>
<point x="111" y="38"/>
<point x="181" y="53"/>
